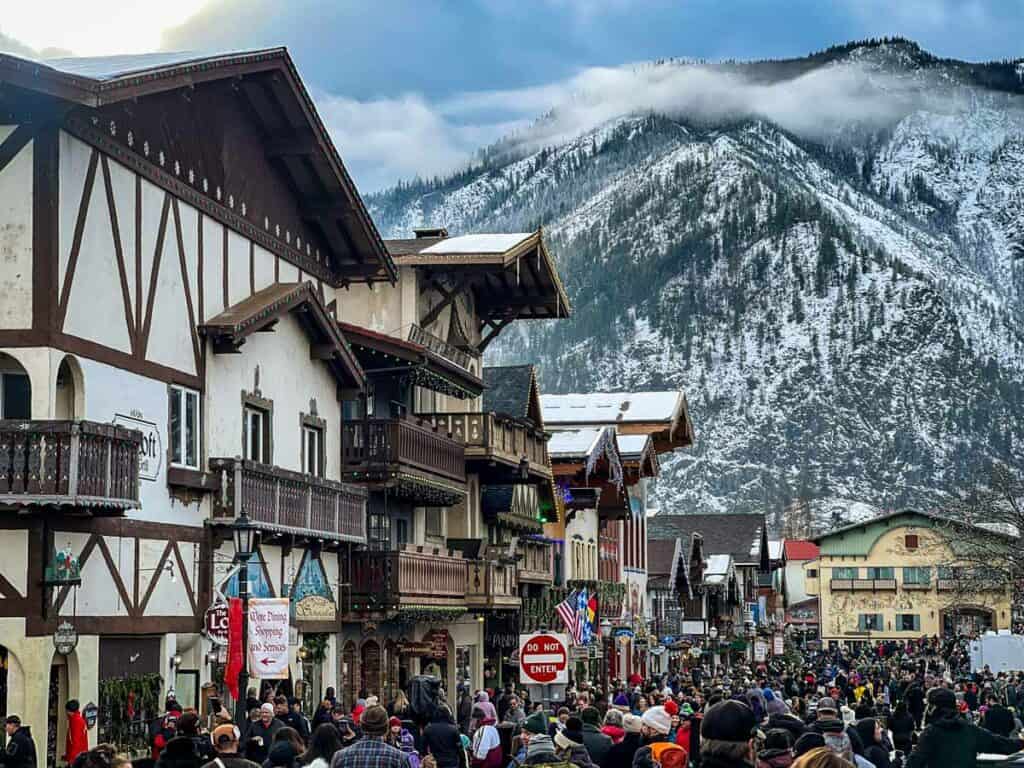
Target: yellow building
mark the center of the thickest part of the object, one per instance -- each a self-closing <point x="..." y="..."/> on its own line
<point x="896" y="577"/>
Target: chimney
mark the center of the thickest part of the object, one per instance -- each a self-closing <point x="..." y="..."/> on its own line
<point x="422" y="232"/>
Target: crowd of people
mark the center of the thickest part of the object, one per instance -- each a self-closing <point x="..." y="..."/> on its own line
<point x="889" y="705"/>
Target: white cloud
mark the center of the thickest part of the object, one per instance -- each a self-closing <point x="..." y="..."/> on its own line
<point x="390" y="139"/>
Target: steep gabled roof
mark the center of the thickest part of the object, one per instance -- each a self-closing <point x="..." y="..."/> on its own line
<point x="279" y="106"/>
<point x="263" y="309"/>
<point x="731" y="534"/>
<point x="512" y="391"/>
<point x="800" y="550"/>
<point x="663" y="415"/>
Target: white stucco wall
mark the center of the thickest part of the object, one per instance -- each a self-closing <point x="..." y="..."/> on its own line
<point x="290" y="379"/>
<point x="584" y="525"/>
<point x="796" y="586"/>
<point x="16" y="237"/>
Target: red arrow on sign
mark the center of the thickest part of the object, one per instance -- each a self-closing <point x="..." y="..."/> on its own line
<point x="266" y="662"/>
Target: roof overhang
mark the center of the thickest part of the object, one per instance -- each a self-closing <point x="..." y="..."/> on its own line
<point x="229" y="330"/>
<point x="296" y="138"/>
<point x="511" y="278"/>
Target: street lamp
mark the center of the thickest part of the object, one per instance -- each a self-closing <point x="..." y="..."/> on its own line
<point x="244" y="533"/>
<point x="712" y="636"/>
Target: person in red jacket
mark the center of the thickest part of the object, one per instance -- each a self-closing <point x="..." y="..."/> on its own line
<point x="78" y="733"/>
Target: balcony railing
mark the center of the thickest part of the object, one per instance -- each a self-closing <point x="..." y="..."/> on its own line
<point x="488" y="436"/>
<point x="537" y="564"/>
<point x="69" y="463"/>
<point x="278" y="499"/>
<point x="862" y="585"/>
<point x="919" y="586"/>
<point x="491" y="585"/>
<point x="442" y="348"/>
<point x="539" y="612"/>
<point x="408" y="578"/>
<point x="381" y="447"/>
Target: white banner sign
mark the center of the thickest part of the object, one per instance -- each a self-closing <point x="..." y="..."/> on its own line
<point x="268" y="637"/>
<point x="760" y="651"/>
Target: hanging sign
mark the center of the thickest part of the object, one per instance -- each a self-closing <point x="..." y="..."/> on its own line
<point x="216" y="623"/>
<point x="151" y="449"/>
<point x="779" y="646"/>
<point x="760" y="651"/>
<point x="268" y="636"/>
<point x="91" y="714"/>
<point x="65" y="638"/>
<point x="438" y="639"/>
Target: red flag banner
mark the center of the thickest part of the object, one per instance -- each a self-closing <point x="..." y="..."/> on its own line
<point x="234" y="665"/>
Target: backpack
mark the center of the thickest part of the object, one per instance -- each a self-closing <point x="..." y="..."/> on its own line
<point x="668" y="755"/>
<point x="839" y="742"/>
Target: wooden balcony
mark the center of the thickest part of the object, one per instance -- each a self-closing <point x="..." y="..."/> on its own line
<point x="496" y="439"/>
<point x="415" y="577"/>
<point x="289" y="502"/>
<point x="491" y="585"/>
<point x="917" y="586"/>
<point x="80" y="464"/>
<point x="862" y="585"/>
<point x="417" y="459"/>
<point x="457" y="357"/>
<point x="536" y="565"/>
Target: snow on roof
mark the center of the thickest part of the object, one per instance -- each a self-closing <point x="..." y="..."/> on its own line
<point x="486" y="243"/>
<point x="633" y="445"/>
<point x="716" y="569"/>
<point x="574" y="442"/>
<point x="610" y="407"/>
<point x="111" y="67"/>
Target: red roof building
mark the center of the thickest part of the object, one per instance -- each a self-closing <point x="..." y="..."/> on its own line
<point x="800" y="550"/>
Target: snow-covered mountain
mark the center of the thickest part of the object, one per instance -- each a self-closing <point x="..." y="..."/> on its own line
<point x="842" y="297"/>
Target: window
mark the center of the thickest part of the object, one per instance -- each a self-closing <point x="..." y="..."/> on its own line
<point x="917" y="575"/>
<point x="812" y="573"/>
<point x="257" y="425"/>
<point x="434" y="521"/>
<point x="313" y="450"/>
<point x="184" y="429"/>
<point x="910" y="541"/>
<point x="881" y="573"/>
<point x="845" y="573"/>
<point x="378" y="531"/>
<point x="908" y="622"/>
<point x="869" y="622"/>
<point x="15" y="396"/>
<point x="947" y="573"/>
<point x="401" y="532"/>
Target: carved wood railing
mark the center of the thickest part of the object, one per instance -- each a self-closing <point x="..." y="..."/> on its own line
<point x="491" y="584"/>
<point x="442" y="348"/>
<point x="415" y="576"/>
<point x="494" y="435"/>
<point x="384" y="445"/>
<point x="290" y="501"/>
<point x="73" y="463"/>
<point x="537" y="564"/>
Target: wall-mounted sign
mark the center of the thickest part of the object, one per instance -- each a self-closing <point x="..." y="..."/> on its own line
<point x="91" y="714"/>
<point x="315" y="608"/>
<point x="312" y="599"/>
<point x="65" y="638"/>
<point x="760" y="651"/>
<point x="438" y="639"/>
<point x="216" y="623"/>
<point x="779" y="645"/>
<point x="151" y="451"/>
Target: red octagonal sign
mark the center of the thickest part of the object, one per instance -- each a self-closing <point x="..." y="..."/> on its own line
<point x="543" y="658"/>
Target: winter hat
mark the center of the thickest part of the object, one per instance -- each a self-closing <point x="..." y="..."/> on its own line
<point x="807" y="742"/>
<point x="372" y="701"/>
<point x="613" y="717"/>
<point x="687" y="709"/>
<point x="540" y="744"/>
<point x="631" y="723"/>
<point x="590" y="716"/>
<point x="224" y="734"/>
<point x="374" y="720"/>
<point x="267" y="708"/>
<point x="393" y="722"/>
<point x="282" y="753"/>
<point x="621" y="700"/>
<point x="728" y="721"/>
<point x="536" y="723"/>
<point x="657" y="719"/>
<point x="672" y="708"/>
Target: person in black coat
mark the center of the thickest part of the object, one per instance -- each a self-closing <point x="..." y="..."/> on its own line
<point x="871" y="734"/>
<point x="621" y="754"/>
<point x="902" y="726"/>
<point x="998" y="719"/>
<point x="21" y="748"/>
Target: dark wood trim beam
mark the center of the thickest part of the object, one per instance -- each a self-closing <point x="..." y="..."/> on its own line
<point x="302" y="142"/>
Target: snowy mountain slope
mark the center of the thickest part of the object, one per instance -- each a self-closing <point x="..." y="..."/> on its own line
<point x="844" y="311"/>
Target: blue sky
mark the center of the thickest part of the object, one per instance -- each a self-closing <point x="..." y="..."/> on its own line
<point x="415" y="86"/>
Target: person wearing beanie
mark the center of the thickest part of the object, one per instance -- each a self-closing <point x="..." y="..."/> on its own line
<point x="658" y="749"/>
<point x="225" y="740"/>
<point x="260" y="734"/>
<point x="541" y="752"/>
<point x="777" y="750"/>
<point x="373" y="749"/>
<point x="727" y="736"/>
<point x="534" y="726"/>
<point x="612" y="727"/>
<point x="806" y="742"/>
<point x="597" y="743"/>
<point x="623" y="752"/>
<point x="950" y="741"/>
<point x="77" y="740"/>
<point x="569" y="743"/>
<point x="621" y="701"/>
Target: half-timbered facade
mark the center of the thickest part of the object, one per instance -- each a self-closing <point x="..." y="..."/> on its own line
<point x="171" y="230"/>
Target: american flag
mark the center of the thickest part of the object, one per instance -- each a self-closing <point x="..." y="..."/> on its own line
<point x="568" y="609"/>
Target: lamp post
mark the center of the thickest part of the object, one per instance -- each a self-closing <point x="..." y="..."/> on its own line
<point x="712" y="637"/>
<point x="244" y="533"/>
